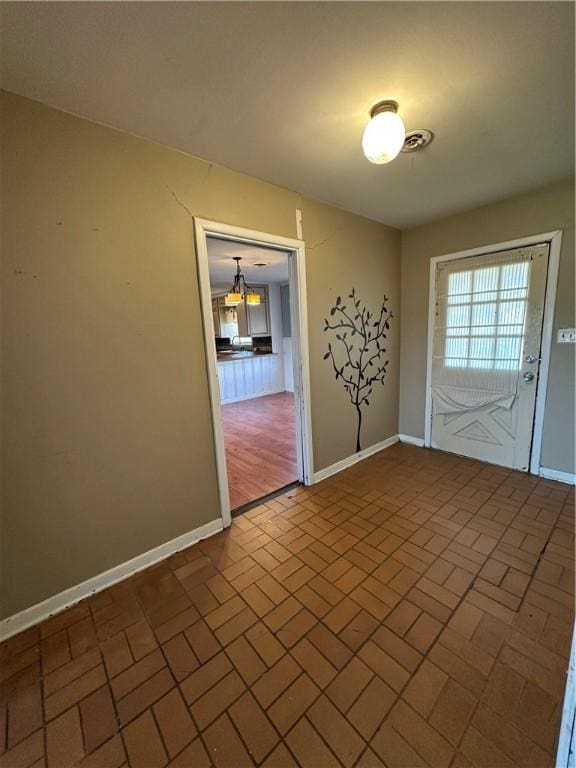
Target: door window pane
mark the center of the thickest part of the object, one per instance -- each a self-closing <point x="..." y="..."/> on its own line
<point x="485" y="317"/>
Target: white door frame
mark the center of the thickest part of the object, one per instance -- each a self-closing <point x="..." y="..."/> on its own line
<point x="300" y="357"/>
<point x="555" y="240"/>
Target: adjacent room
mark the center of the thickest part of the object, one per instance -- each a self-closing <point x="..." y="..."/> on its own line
<point x="288" y="383"/>
<point x="250" y="301"/>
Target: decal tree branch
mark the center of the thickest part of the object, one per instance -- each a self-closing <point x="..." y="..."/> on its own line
<point x="357" y="351"/>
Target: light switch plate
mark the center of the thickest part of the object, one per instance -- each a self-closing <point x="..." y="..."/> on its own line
<point x="567" y="336"/>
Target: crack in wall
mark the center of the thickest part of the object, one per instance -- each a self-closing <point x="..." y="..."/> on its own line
<point x="180" y="203"/>
<point x="327" y="239"/>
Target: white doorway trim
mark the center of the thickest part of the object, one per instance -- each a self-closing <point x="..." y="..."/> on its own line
<point x="299" y="320"/>
<point x="555" y="240"/>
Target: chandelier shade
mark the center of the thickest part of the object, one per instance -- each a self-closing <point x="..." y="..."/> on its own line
<point x="240" y="290"/>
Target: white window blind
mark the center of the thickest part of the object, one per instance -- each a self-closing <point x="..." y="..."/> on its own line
<point x="479" y="330"/>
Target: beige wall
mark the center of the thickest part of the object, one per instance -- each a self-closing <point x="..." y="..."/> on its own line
<point x="107" y="438"/>
<point x="541" y="211"/>
<point x="345" y="252"/>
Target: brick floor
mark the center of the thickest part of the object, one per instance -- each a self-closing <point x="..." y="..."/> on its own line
<point x="414" y="610"/>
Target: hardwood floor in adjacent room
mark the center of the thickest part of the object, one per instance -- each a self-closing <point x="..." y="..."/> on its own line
<point x="260" y="437"/>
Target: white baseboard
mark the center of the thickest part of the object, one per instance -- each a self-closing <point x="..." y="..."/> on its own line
<point x="57" y="603"/>
<point x="555" y="474"/>
<point x="565" y="753"/>
<point x="419" y="441"/>
<point x="252" y="397"/>
<point x="354" y="459"/>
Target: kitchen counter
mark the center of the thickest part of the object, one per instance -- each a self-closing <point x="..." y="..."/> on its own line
<point x="242" y="375"/>
<point x="228" y="357"/>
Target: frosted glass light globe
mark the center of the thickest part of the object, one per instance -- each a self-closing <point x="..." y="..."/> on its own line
<point x="383" y="137"/>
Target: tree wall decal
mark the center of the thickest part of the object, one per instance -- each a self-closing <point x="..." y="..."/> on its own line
<point x="358" y="357"/>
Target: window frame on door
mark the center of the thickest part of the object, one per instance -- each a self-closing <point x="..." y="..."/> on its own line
<point x="554" y="239"/>
<point x="477" y="316"/>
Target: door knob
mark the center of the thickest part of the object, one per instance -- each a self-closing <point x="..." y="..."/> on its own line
<point x="531" y="359"/>
<point x="528" y="376"/>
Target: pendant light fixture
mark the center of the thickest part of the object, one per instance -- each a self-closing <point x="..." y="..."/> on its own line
<point x="385" y="135"/>
<point x="240" y="289"/>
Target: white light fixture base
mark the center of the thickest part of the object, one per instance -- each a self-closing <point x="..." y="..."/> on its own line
<point x="384" y="106"/>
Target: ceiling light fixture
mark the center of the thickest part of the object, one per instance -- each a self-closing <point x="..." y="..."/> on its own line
<point x="385" y="135"/>
<point x="240" y="290"/>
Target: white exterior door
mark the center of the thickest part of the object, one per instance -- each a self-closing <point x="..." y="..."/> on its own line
<point x="486" y="354"/>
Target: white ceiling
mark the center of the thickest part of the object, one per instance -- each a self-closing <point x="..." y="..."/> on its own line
<point x="222" y="268"/>
<point x="281" y="90"/>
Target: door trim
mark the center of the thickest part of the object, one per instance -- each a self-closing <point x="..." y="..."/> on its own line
<point x="300" y="355"/>
<point x="554" y="239"/>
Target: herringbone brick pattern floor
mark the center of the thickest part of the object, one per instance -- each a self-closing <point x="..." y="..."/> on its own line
<point x="415" y="610"/>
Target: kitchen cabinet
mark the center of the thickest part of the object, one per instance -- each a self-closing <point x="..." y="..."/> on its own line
<point x="250" y="320"/>
<point x="258" y="322"/>
<point x="216" y="317"/>
<point x="242" y="320"/>
<point x="259" y="315"/>
<point x="229" y="321"/>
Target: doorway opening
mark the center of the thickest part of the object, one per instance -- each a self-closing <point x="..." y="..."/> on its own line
<point x="253" y="298"/>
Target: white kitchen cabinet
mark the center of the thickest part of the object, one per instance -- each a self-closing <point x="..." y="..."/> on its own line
<point x="248" y="377"/>
<point x="242" y="320"/>
<point x="252" y="320"/>
<point x="258" y="324"/>
<point x="258" y="315"/>
<point x="216" y="318"/>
